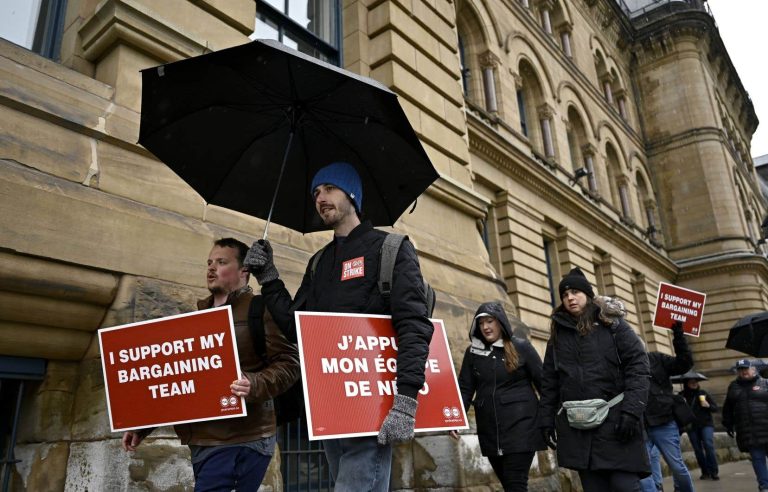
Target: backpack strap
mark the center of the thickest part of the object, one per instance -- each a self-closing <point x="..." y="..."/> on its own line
<point x="316" y="260"/>
<point x="256" y="327"/>
<point x="387" y="258"/>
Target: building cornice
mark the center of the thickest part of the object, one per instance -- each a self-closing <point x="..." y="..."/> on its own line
<point x="460" y="197"/>
<point x="544" y="182"/>
<point x="130" y="22"/>
<point x="723" y="263"/>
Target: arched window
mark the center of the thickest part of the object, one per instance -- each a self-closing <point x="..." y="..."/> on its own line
<point x="535" y="115"/>
<point x="582" y="153"/>
<point x="617" y="182"/>
<point x="478" y="64"/>
<point x="648" y="218"/>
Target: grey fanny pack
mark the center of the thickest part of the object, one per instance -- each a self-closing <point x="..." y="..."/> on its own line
<point x="588" y="414"/>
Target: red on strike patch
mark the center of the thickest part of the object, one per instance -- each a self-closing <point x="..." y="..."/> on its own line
<point x="353" y="268"/>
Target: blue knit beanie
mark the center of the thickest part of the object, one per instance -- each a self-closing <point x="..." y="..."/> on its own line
<point x="343" y="176"/>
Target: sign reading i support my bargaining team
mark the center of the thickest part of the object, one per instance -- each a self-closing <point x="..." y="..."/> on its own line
<point x="171" y="370"/>
<point x="349" y="365"/>
<point x="676" y="303"/>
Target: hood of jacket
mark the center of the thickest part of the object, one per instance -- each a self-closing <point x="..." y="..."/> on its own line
<point x="609" y="310"/>
<point x="496" y="310"/>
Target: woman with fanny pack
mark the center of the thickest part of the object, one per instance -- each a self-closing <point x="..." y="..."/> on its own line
<point x="501" y="371"/>
<point x="594" y="390"/>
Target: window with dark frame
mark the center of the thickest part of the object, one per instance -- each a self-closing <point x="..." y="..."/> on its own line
<point x="37" y="25"/>
<point x="521" y="108"/>
<point x="309" y="26"/>
<point x="550" y="255"/>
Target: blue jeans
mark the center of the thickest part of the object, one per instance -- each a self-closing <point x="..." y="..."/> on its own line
<point x="703" y="443"/>
<point x="359" y="464"/>
<point x="758" y="464"/>
<point x="654" y="457"/>
<point x="666" y="437"/>
<point x="231" y="468"/>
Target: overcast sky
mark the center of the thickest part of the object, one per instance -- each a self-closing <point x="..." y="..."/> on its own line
<point x="743" y="25"/>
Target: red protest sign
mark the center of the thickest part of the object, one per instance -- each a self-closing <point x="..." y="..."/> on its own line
<point x="171" y="370"/>
<point x="348" y="366"/>
<point x="675" y="303"/>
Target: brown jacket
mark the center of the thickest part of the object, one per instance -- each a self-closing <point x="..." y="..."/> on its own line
<point x="267" y="381"/>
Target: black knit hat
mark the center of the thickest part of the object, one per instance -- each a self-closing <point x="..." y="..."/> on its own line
<point x="576" y="280"/>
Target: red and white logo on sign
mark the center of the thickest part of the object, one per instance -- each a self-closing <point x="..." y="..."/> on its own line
<point x="353" y="268"/>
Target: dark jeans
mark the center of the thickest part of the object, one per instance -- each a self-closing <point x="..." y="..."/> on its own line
<point x="703" y="443"/>
<point x="512" y="470"/>
<point x="232" y="468"/>
<point x="609" y="481"/>
<point x="758" y="455"/>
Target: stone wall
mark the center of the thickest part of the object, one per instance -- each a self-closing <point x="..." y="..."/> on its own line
<point x="95" y="232"/>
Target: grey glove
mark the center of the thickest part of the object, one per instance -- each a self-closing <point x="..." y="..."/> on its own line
<point x="398" y="426"/>
<point x="260" y="263"/>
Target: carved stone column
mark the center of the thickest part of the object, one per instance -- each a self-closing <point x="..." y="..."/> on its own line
<point x="589" y="152"/>
<point x="545" y="118"/>
<point x="489" y="62"/>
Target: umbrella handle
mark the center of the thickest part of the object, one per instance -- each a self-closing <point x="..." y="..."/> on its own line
<point x="279" y="179"/>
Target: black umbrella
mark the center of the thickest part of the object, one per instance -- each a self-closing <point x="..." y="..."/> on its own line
<point x="750" y="335"/>
<point x="681" y="378"/>
<point x="234" y="122"/>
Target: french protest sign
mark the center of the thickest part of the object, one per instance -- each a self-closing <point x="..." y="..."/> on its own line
<point x="349" y="365"/>
<point x="674" y="303"/>
<point x="171" y="370"/>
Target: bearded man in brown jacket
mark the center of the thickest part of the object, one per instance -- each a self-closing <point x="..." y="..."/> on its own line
<point x="234" y="453"/>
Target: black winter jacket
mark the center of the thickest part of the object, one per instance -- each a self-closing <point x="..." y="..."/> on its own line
<point x="702" y="417"/>
<point x="607" y="361"/>
<point x="660" y="409"/>
<point x="506" y="405"/>
<point x="329" y="290"/>
<point x="746" y="410"/>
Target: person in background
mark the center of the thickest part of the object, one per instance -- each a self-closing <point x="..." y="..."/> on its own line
<point x="500" y="375"/>
<point x="593" y="353"/>
<point x="702" y="431"/>
<point x="745" y="413"/>
<point x="663" y="432"/>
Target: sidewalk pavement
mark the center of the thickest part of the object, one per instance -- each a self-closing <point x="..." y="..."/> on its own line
<point x="736" y="476"/>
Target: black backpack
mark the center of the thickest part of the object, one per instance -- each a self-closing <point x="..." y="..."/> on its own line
<point x="387" y="257"/>
<point x="289" y="406"/>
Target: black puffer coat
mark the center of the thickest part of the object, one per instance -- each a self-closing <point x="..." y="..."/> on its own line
<point x="746" y="410"/>
<point x="661" y="404"/>
<point x="505" y="403"/>
<point x="607" y="361"/>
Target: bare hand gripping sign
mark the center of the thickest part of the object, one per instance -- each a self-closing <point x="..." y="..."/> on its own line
<point x="349" y="368"/>
<point x="171" y="370"/>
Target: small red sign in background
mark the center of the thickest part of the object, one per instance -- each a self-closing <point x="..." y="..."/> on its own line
<point x="675" y="303"/>
<point x="171" y="370"/>
<point x="347" y="364"/>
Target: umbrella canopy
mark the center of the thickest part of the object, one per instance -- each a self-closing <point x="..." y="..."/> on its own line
<point x="681" y="378"/>
<point x="234" y="122"/>
<point x="750" y="335"/>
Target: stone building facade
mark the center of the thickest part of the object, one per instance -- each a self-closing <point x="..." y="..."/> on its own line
<point x="594" y="133"/>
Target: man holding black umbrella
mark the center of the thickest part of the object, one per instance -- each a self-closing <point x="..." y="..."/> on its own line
<point x="361" y="463"/>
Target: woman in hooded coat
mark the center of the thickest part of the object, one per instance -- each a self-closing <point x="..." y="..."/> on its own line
<point x="593" y="353"/>
<point x="501" y="372"/>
